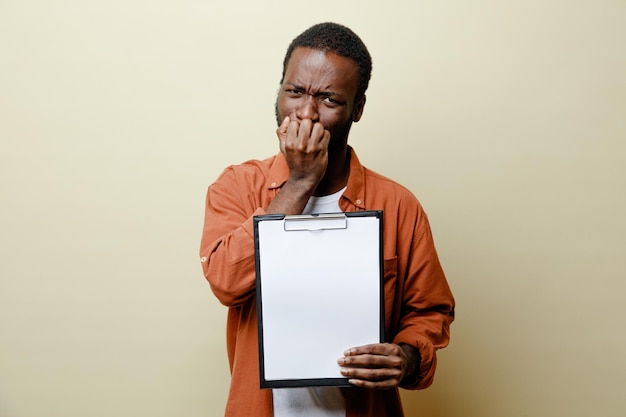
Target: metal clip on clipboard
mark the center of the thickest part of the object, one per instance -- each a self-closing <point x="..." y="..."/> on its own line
<point x="315" y="222"/>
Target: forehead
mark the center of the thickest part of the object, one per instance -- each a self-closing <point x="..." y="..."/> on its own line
<point x="314" y="68"/>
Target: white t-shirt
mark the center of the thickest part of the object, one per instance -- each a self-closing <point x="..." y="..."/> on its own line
<point x="312" y="401"/>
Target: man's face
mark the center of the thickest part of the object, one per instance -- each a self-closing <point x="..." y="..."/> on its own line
<point x="321" y="86"/>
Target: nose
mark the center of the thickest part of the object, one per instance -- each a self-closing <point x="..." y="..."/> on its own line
<point x="308" y="109"/>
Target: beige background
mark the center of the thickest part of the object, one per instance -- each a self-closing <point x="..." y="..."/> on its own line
<point x="506" y="119"/>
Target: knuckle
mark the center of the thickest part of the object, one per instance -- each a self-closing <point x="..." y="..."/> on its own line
<point x="396" y="362"/>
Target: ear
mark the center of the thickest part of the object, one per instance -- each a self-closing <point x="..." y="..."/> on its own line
<point x="358" y="109"/>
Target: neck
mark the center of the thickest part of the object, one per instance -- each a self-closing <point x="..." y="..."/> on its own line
<point x="337" y="173"/>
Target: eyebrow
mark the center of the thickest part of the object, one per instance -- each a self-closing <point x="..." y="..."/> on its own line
<point x="319" y="93"/>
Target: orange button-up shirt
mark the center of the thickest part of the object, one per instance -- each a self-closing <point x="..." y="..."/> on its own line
<point x="419" y="306"/>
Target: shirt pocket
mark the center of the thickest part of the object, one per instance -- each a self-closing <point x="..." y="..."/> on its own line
<point x="390" y="282"/>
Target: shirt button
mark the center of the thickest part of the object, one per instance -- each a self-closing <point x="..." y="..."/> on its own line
<point x="203" y="259"/>
<point x="273" y="184"/>
<point x="358" y="201"/>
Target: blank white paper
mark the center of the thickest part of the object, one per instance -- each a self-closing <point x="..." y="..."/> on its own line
<point x="320" y="294"/>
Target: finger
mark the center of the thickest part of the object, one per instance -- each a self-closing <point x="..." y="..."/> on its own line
<point x="379" y="374"/>
<point x="371" y="361"/>
<point x="378" y="385"/>
<point x="326" y="138"/>
<point x="304" y="133"/>
<point x="318" y="131"/>
<point x="291" y="136"/>
<point x="373" y="349"/>
<point x="317" y="140"/>
<point x="376" y="379"/>
<point x="293" y="128"/>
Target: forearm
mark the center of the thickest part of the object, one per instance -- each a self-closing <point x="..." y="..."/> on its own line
<point x="228" y="264"/>
<point x="227" y="244"/>
<point x="227" y="247"/>
<point x="426" y="332"/>
<point x="428" y="306"/>
<point x="292" y="197"/>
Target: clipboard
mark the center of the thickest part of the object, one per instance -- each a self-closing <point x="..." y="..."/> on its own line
<point x="319" y="289"/>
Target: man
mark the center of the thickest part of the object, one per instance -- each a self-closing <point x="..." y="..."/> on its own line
<point x="326" y="72"/>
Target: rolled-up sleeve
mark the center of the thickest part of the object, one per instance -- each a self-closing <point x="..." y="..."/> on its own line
<point x="227" y="245"/>
<point x="427" y="304"/>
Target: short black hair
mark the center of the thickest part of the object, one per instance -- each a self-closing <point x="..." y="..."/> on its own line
<point x="333" y="37"/>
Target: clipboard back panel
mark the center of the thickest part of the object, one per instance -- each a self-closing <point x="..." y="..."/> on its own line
<point x="319" y="293"/>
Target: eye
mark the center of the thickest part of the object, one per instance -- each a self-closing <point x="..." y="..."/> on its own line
<point x="329" y="100"/>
